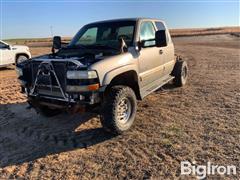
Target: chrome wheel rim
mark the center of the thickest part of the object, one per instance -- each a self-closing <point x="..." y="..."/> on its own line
<point x="124" y="110"/>
<point x="184" y="73"/>
<point x="21" y="59"/>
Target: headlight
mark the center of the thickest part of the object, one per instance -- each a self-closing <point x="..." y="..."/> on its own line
<point x="19" y="71"/>
<point x="81" y="74"/>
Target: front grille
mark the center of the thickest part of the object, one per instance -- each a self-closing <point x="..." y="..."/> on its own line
<point x="49" y="91"/>
<point x="61" y="71"/>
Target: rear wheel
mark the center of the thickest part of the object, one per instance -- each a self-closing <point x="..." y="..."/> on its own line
<point x="119" y="109"/>
<point x="180" y="73"/>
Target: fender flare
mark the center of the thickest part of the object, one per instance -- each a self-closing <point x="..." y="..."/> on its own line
<point x="113" y="73"/>
<point x="22" y="54"/>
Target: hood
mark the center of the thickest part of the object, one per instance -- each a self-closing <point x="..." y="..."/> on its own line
<point x="19" y="47"/>
<point x="86" y="59"/>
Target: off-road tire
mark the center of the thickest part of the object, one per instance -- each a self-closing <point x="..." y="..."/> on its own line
<point x="109" y="116"/>
<point x="180" y="73"/>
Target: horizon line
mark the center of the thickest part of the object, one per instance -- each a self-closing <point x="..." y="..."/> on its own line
<point x="194" y="28"/>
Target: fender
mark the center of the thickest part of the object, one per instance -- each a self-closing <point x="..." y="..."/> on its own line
<point x="23" y="53"/>
<point x="113" y="73"/>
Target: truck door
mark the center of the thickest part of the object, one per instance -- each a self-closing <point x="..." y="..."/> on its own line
<point x="150" y="57"/>
<point x="167" y="52"/>
<point x="5" y="54"/>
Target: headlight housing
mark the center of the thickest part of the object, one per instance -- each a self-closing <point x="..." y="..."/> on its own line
<point x="19" y="71"/>
<point x="82" y="74"/>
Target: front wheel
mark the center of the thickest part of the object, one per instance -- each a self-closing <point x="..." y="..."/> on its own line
<point x="21" y="58"/>
<point x="119" y="109"/>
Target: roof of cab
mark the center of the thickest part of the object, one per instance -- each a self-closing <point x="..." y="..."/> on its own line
<point x="125" y="19"/>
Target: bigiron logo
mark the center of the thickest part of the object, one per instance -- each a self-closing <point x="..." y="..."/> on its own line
<point x="201" y="171"/>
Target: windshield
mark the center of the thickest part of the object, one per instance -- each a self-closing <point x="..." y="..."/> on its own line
<point x="105" y="34"/>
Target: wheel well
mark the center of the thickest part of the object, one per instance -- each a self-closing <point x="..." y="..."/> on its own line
<point x="20" y="54"/>
<point x="129" y="79"/>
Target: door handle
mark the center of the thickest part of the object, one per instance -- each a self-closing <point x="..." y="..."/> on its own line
<point x="160" y="51"/>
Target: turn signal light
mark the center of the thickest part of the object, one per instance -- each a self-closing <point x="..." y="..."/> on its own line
<point x="93" y="87"/>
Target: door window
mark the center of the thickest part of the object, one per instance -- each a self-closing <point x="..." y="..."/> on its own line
<point x="147" y="32"/>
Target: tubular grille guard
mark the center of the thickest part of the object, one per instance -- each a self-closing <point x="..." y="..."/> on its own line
<point x="45" y="69"/>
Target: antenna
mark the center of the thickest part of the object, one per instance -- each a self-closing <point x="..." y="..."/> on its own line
<point x="51" y="30"/>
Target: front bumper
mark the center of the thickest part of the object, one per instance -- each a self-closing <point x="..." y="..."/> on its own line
<point x="83" y="98"/>
<point x="56" y="103"/>
<point x="46" y="83"/>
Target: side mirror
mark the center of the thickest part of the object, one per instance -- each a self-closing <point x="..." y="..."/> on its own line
<point x="146" y="43"/>
<point x="160" y="37"/>
<point x="57" y="43"/>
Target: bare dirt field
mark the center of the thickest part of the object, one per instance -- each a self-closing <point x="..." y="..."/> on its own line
<point x="205" y="31"/>
<point x="199" y="122"/>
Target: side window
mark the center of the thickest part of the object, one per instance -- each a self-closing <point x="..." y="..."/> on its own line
<point x="160" y="26"/>
<point x="147" y="31"/>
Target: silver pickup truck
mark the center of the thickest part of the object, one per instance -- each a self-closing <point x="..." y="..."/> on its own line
<point x="106" y="68"/>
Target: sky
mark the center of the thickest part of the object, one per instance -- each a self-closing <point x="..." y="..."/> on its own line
<point x="38" y="18"/>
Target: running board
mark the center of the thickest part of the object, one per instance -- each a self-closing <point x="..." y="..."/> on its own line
<point x="155" y="85"/>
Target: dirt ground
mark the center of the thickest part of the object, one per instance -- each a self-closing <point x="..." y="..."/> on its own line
<point x="199" y="122"/>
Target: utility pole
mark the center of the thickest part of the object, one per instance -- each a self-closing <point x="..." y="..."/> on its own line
<point x="51" y="30"/>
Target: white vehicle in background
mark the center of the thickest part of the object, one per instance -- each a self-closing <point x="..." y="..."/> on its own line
<point x="13" y="54"/>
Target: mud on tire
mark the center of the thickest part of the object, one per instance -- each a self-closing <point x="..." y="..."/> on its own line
<point x="119" y="109"/>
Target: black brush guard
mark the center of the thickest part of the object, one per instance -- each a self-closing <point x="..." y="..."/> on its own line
<point x="48" y="78"/>
<point x="47" y="82"/>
